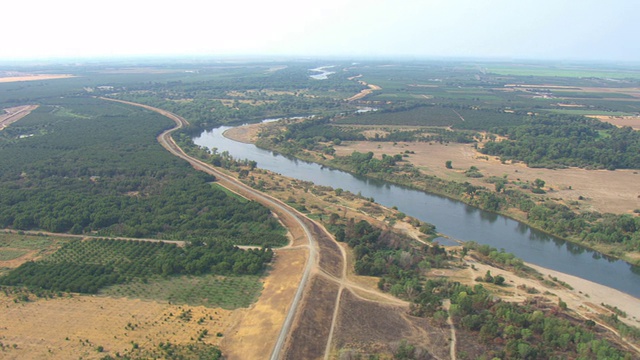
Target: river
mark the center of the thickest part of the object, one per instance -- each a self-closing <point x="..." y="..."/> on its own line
<point x="323" y="72"/>
<point x="453" y="218"/>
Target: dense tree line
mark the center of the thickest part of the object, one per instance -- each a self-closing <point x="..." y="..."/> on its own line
<point x="93" y="166"/>
<point x="365" y="163"/>
<point x="561" y="140"/>
<point x="88" y="266"/>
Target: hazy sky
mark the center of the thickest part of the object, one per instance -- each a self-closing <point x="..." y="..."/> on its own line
<point x="517" y="29"/>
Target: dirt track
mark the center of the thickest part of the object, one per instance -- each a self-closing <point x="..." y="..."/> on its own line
<point x="14" y="114"/>
<point x="370" y="89"/>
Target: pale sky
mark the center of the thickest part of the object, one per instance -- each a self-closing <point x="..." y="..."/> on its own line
<point x="507" y="29"/>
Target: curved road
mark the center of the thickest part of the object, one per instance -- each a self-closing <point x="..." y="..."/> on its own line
<point x="233" y="184"/>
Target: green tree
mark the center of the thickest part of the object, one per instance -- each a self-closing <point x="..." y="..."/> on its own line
<point x="538" y="183"/>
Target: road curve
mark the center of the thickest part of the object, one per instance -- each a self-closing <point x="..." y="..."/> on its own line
<point x="233" y="184"/>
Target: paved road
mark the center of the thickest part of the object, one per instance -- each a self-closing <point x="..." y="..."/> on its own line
<point x="233" y="184"/>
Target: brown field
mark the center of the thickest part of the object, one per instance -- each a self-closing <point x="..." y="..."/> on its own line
<point x="33" y="77"/>
<point x="371" y="328"/>
<point x="253" y="332"/>
<point x="73" y="327"/>
<point x="620" y="121"/>
<point x="330" y="255"/>
<point x="248" y="333"/>
<point x="313" y="321"/>
<point x="604" y="191"/>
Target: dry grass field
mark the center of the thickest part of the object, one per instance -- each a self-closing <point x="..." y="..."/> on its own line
<point x="603" y="190"/>
<point x="252" y="333"/>
<point x="33" y="77"/>
<point x="75" y="327"/>
<point x="631" y="121"/>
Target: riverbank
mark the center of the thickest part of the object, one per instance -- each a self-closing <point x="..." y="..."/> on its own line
<point x="584" y="299"/>
<point x="438" y="186"/>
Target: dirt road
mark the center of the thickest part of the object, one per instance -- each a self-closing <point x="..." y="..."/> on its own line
<point x="290" y="217"/>
<point x="370" y="89"/>
<point x="14" y="114"/>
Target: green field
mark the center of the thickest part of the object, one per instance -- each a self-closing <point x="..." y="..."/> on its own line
<point x="208" y="290"/>
<point x="28" y="242"/>
<point x="230" y="193"/>
<point x="10" y="254"/>
<point x="90" y="265"/>
<point x="568" y="72"/>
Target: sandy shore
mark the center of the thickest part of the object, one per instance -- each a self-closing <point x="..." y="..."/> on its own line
<point x="247" y="134"/>
<point x="586" y="291"/>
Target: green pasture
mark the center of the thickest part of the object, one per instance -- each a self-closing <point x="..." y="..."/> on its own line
<point x="230" y="292"/>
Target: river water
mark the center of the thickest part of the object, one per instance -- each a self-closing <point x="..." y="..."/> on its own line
<point x="453" y="218"/>
<point x="323" y="72"/>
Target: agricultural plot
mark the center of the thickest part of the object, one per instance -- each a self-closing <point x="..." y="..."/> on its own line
<point x="576" y="72"/>
<point x="207" y="290"/>
<point x="87" y="266"/>
<point x="16" y="249"/>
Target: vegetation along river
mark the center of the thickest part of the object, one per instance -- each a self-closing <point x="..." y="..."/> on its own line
<point x="452" y="218"/>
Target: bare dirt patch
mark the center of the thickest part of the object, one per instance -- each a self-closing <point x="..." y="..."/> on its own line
<point x="603" y="190"/>
<point x="366" y="327"/>
<point x="66" y="328"/>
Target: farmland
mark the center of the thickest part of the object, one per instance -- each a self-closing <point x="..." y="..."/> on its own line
<point x="92" y="172"/>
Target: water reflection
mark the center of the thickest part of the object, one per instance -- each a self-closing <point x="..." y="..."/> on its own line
<point x="488" y="216"/>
